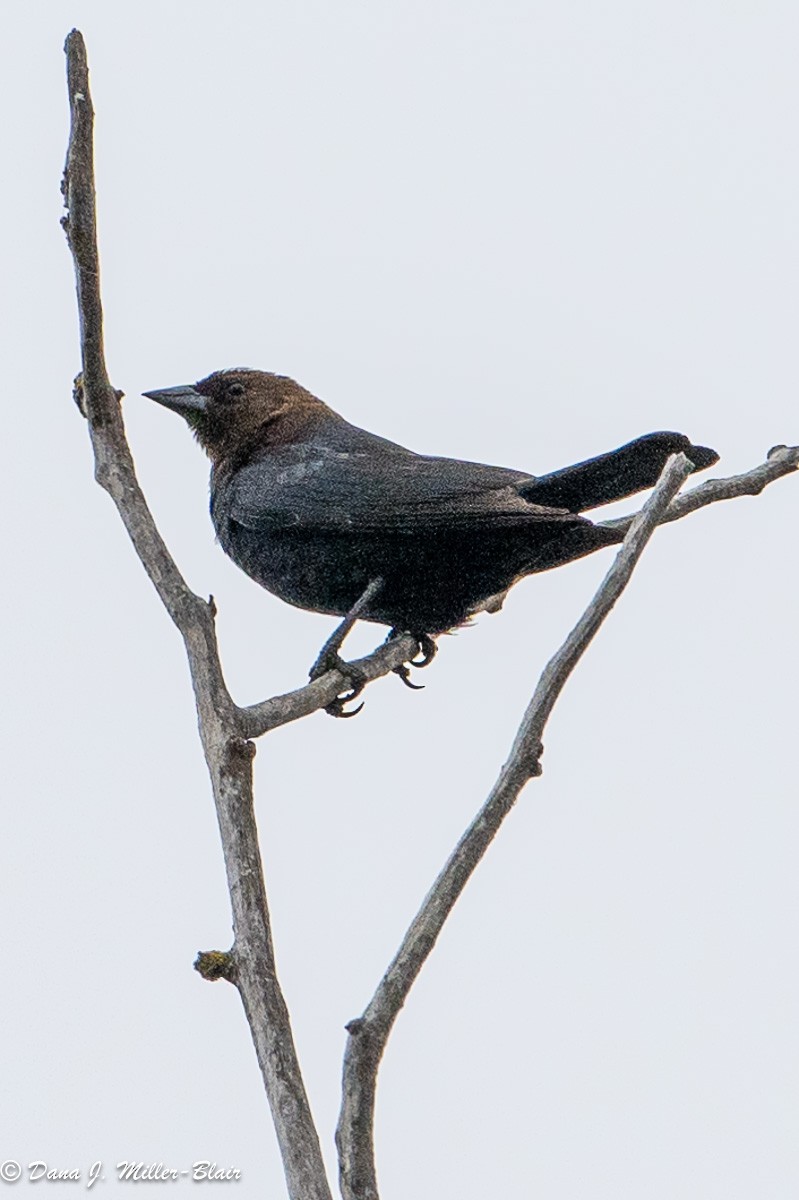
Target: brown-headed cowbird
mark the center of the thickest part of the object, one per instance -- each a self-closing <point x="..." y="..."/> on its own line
<point x="317" y="510"/>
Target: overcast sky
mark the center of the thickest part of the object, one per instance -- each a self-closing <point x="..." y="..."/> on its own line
<point x="521" y="233"/>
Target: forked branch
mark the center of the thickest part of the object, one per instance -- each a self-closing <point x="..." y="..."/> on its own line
<point x="368" y="1034"/>
<point x="780" y="460"/>
<point x="225" y="727"/>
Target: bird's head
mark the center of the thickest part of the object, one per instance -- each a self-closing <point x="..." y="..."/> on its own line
<point x="231" y="410"/>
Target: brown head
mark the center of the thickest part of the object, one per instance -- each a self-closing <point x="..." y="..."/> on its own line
<point x="236" y="411"/>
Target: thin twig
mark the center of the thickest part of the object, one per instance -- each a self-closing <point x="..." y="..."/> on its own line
<point x="228" y="754"/>
<point x="280" y="710"/>
<point x="781" y="460"/>
<point x="368" y="1034"/>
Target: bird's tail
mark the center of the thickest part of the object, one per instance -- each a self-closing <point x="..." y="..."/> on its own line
<point x="612" y="476"/>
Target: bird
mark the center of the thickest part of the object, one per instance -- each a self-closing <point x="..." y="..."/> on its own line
<point x="337" y="520"/>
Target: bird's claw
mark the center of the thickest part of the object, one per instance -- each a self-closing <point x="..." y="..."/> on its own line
<point x="405" y="676"/>
<point x="336" y="707"/>
<point x="357" y="681"/>
<point x="428" y="649"/>
<point x="332" y="661"/>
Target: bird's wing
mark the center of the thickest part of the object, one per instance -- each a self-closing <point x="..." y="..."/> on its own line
<point x="312" y="487"/>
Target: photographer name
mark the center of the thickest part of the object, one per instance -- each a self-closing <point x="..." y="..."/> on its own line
<point x="201" y="1172"/>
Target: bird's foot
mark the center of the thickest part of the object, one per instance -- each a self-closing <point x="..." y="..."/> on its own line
<point x="428" y="650"/>
<point x="331" y="660"/>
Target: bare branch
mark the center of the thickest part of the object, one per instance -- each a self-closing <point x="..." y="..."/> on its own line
<point x="279" y="710"/>
<point x="781" y="460"/>
<point x="368" y="1034"/>
<point x="228" y="755"/>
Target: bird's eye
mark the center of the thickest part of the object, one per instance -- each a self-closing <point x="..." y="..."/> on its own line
<point x="234" y="390"/>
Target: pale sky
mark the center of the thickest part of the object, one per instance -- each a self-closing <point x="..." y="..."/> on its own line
<point x="521" y="233"/>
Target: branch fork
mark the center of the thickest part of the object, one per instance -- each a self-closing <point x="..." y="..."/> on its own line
<point x="226" y="729"/>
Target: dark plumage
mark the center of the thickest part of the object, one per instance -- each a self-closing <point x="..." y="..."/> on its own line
<point x="315" y="509"/>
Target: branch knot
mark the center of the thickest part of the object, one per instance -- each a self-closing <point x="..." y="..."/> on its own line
<point x="215" y="964"/>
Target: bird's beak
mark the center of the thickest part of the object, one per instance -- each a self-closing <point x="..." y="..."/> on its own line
<point x="185" y="400"/>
